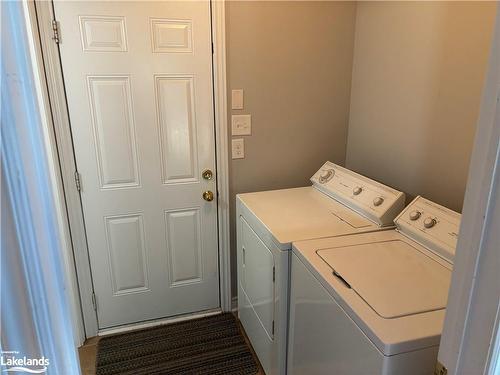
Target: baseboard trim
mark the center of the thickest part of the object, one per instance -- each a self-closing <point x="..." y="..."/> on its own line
<point x="234" y="304"/>
<point x="157" y="322"/>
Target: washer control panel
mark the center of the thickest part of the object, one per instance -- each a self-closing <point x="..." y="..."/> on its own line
<point x="432" y="225"/>
<point x="371" y="199"/>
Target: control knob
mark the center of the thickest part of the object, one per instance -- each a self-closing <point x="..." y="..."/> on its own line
<point x="429" y="222"/>
<point x="378" y="201"/>
<point x="415" y="215"/>
<point x="326" y="175"/>
<point x="357" y="190"/>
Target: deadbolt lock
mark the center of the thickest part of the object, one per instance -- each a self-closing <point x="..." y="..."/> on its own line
<point x="207" y="174"/>
<point x="208" y="196"/>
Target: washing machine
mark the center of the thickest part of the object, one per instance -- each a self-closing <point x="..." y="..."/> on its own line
<point x="373" y="303"/>
<point x="339" y="202"/>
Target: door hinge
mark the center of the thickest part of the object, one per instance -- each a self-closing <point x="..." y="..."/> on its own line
<point x="56" y="35"/>
<point x="440" y="369"/>
<point x="78" y="182"/>
<point x="274" y="274"/>
<point x="272" y="328"/>
<point x="212" y="48"/>
<point x="94" y="301"/>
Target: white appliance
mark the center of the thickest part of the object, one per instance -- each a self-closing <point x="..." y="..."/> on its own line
<point x="339" y="202"/>
<point x="373" y="303"/>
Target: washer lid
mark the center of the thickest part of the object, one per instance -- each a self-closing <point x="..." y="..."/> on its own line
<point x="394" y="278"/>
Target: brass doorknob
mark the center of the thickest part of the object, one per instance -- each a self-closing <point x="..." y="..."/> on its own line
<point x="207" y="174"/>
<point x="208" y="196"/>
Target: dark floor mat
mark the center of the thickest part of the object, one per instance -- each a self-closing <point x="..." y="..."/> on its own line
<point x="211" y="345"/>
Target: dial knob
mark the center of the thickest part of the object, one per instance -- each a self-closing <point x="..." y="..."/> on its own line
<point x="414" y="215"/>
<point x="429" y="222"/>
<point x="357" y="190"/>
<point x="378" y="201"/>
<point x="208" y="196"/>
<point x="326" y="175"/>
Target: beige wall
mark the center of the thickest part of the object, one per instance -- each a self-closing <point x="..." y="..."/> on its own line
<point x="417" y="79"/>
<point x="294" y="61"/>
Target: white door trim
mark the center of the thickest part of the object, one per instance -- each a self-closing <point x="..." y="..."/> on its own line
<point x="71" y="281"/>
<point x="222" y="151"/>
<point x="472" y="316"/>
<point x="67" y="163"/>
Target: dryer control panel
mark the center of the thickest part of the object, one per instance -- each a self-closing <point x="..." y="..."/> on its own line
<point x="434" y="226"/>
<point x="371" y="199"/>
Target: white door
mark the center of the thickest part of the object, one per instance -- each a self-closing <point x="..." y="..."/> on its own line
<point x="138" y="79"/>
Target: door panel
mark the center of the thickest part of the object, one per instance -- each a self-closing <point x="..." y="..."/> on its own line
<point x="127" y="253"/>
<point x="171" y="35"/>
<point x="184" y="240"/>
<point x="176" y="115"/>
<point x="114" y="131"/>
<point x="103" y="34"/>
<point x="139" y="90"/>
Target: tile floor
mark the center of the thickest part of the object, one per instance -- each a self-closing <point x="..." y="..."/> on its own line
<point x="88" y="352"/>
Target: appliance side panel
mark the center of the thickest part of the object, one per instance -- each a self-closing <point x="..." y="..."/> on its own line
<point x="322" y="337"/>
<point x="256" y="292"/>
<point x="418" y="362"/>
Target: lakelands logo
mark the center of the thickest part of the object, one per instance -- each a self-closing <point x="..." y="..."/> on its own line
<point x="12" y="362"/>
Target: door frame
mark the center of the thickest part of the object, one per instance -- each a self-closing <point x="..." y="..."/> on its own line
<point x="472" y="320"/>
<point x="43" y="12"/>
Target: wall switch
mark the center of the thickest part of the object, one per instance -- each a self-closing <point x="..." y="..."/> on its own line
<point x="238" y="148"/>
<point x="241" y="124"/>
<point x="237" y="99"/>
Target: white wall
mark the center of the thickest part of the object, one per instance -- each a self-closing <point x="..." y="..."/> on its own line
<point x="294" y="61"/>
<point x="418" y="72"/>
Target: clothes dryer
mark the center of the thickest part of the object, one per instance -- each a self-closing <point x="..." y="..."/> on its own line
<point x="339" y="202"/>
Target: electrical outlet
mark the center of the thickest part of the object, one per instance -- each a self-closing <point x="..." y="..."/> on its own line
<point x="238" y="148"/>
<point x="241" y="124"/>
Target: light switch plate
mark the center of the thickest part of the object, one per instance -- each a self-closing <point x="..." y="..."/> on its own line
<point x="237" y="99"/>
<point x="241" y="124"/>
<point x="238" y="148"/>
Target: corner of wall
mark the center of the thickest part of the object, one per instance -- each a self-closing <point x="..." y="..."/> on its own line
<point x="353" y="55"/>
